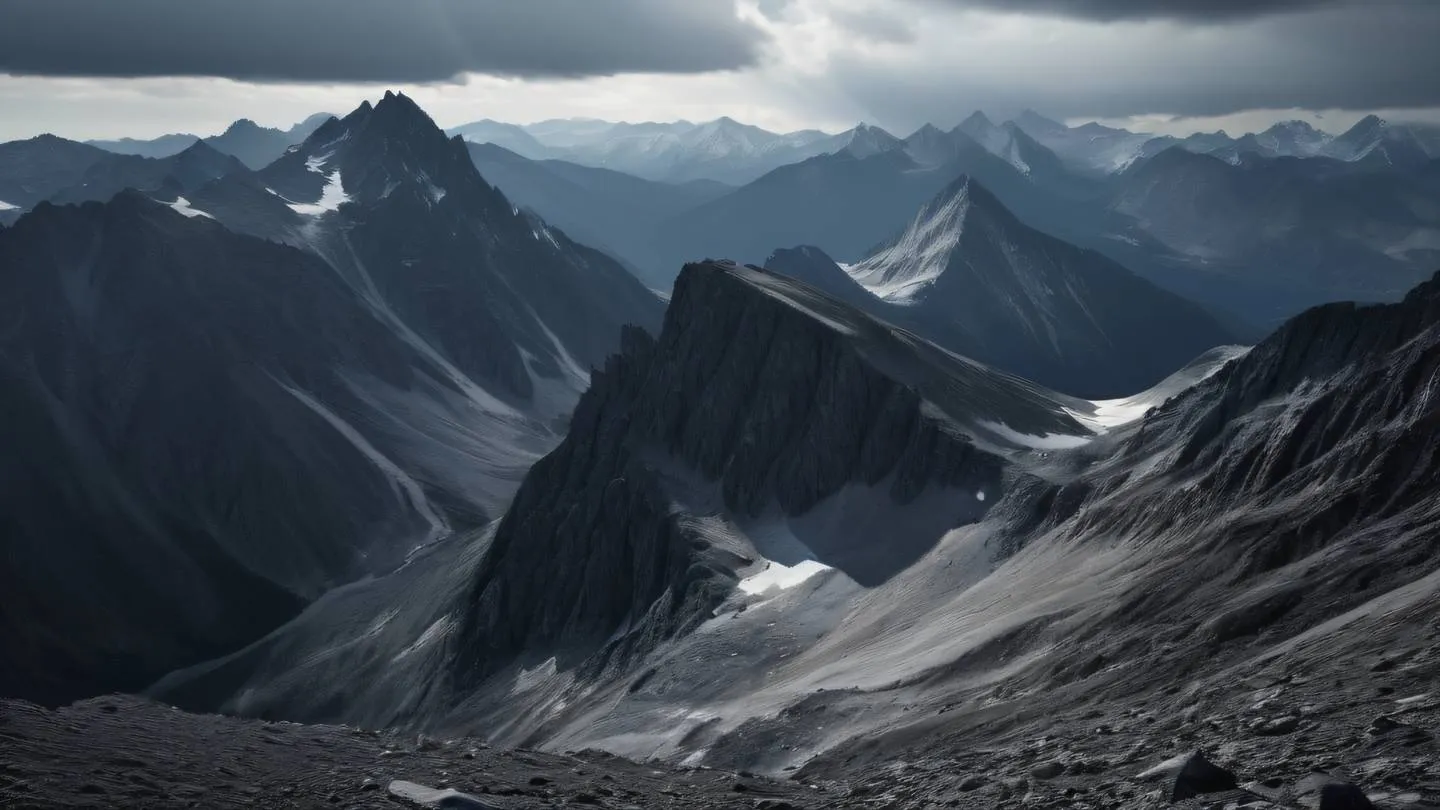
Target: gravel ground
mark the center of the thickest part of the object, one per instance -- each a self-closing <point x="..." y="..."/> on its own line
<point x="122" y="752"/>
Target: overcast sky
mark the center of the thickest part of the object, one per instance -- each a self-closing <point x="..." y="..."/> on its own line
<point x="110" y="68"/>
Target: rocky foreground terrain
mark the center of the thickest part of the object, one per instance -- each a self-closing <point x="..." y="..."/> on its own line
<point x="1302" y="729"/>
<point x="127" y="752"/>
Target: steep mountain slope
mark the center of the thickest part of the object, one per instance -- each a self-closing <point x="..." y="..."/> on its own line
<point x="614" y="212"/>
<point x="399" y="210"/>
<point x="812" y="266"/>
<point x="1377" y="142"/>
<point x="861" y="549"/>
<point x="761" y="398"/>
<point x="183" y="477"/>
<point x="971" y="277"/>
<point x="321" y="412"/>
<point x="1272" y="527"/>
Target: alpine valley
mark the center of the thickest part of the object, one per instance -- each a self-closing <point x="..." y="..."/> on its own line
<point x="371" y="464"/>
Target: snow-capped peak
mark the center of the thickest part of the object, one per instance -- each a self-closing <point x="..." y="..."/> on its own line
<point x="919" y="257"/>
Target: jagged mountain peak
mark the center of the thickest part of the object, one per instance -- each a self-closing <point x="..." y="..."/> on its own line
<point x="390" y="151"/>
<point x="969" y="275"/>
<point x="242" y="125"/>
<point x="1294" y="125"/>
<point x="976" y="121"/>
<point x="867" y="139"/>
<point x="1038" y="124"/>
<point x="1371" y="121"/>
<point x="902" y="271"/>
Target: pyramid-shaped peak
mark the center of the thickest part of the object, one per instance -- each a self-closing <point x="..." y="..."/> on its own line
<point x="201" y="149"/>
<point x="866" y="140"/>
<point x="1369" y="124"/>
<point x="1036" y="121"/>
<point x="977" y="118"/>
<point x="902" y="271"/>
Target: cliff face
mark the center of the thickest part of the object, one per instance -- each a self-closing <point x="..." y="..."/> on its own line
<point x="776" y="394"/>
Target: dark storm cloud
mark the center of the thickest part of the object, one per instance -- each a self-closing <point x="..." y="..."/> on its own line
<point x="371" y="40"/>
<point x="1198" y="10"/>
<point x="1377" y="56"/>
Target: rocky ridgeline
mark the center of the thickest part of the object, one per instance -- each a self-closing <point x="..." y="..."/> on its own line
<point x="775" y="405"/>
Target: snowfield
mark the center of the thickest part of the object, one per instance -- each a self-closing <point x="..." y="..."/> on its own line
<point x="331" y="198"/>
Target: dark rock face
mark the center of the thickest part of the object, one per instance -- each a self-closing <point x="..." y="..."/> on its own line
<point x="274" y="422"/>
<point x="501" y="294"/>
<point x="776" y="406"/>
<point x="1198" y="776"/>
<point x="813" y="266"/>
<point x="178" y="485"/>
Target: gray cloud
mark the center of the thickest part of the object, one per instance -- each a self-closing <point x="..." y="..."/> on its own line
<point x="875" y="25"/>
<point x="371" y="40"/>
<point x="1376" y="56"/>
<point x="1195" y="10"/>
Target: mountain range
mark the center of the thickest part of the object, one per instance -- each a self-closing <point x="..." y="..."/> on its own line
<point x="252" y="144"/>
<point x="722" y="150"/>
<point x="968" y="275"/>
<point x="479" y="444"/>
<point x="785" y="534"/>
<point x="270" y="418"/>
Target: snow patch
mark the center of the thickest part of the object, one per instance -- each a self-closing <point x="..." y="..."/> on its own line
<point x="181" y="205"/>
<point x="401" y="480"/>
<point x="1043" y="441"/>
<point x="331" y="198"/>
<point x="541" y="231"/>
<point x="5" y="206"/>
<point x="433" y="633"/>
<point x="783" y="577"/>
<point x="530" y="678"/>
<point x="1111" y="413"/>
<point x="898" y="273"/>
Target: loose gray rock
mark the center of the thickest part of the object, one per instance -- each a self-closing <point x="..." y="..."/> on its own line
<point x="1192" y="774"/>
<point x="1047" y="770"/>
<point x="420" y="796"/>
